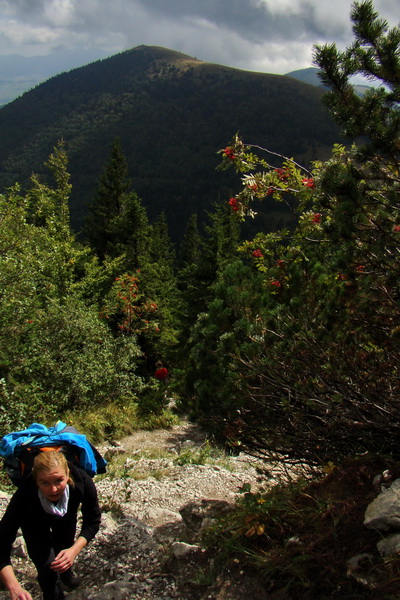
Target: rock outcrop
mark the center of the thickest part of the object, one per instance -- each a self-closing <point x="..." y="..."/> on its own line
<point x="382" y="515"/>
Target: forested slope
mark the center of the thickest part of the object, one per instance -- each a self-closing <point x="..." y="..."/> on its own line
<point x="172" y="114"/>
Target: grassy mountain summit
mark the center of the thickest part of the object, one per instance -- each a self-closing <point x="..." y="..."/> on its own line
<point x="172" y="114"/>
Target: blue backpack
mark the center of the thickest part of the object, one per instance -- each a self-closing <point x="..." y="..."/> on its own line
<point x="19" y="449"/>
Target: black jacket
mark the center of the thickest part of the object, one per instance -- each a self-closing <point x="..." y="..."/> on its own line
<point x="25" y="506"/>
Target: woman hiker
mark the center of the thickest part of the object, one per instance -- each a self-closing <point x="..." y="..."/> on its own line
<point x="45" y="507"/>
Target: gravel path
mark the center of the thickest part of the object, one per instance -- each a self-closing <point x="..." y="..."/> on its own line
<point x="151" y="475"/>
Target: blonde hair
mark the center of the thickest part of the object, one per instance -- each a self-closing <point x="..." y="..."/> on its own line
<point x="49" y="460"/>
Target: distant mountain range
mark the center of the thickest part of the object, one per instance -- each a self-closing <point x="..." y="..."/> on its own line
<point x="311" y="76"/>
<point x="172" y="113"/>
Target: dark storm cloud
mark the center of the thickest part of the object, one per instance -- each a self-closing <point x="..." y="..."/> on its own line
<point x="251" y="19"/>
<point x="257" y="19"/>
<point x="269" y="35"/>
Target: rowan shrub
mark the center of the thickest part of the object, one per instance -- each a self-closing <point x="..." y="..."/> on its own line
<point x="317" y="364"/>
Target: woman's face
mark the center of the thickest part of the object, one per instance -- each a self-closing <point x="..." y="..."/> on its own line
<point x="52" y="483"/>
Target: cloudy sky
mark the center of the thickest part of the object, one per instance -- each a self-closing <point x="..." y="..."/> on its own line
<point x="273" y="36"/>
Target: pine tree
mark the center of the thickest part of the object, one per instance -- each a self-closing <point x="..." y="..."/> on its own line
<point x="159" y="283"/>
<point x="374" y="117"/>
<point x="204" y="260"/>
<point x="361" y="188"/>
<point x="129" y="233"/>
<point x="108" y="202"/>
<point x="190" y="247"/>
<point x="221" y="239"/>
<point x="49" y="212"/>
<point x="161" y="249"/>
<point x="210" y="385"/>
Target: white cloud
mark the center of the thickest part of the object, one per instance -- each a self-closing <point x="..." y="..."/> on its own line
<point x="278" y="58"/>
<point x="60" y="13"/>
<point x="282" y="7"/>
<point x="19" y="34"/>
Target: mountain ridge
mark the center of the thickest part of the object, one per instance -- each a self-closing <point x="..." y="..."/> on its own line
<point x="20" y="74"/>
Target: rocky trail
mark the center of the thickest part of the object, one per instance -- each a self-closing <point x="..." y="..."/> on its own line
<point x="161" y="488"/>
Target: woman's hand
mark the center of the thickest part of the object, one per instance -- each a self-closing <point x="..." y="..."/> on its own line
<point x="19" y="594"/>
<point x="16" y="591"/>
<point x="64" y="560"/>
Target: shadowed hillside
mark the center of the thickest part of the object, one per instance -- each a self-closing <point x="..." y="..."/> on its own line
<point x="172" y="114"/>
